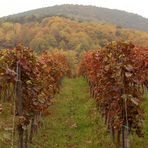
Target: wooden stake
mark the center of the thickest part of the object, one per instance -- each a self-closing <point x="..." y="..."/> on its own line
<point x="19" y="104"/>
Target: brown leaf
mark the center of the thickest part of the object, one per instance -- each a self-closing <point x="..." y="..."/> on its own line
<point x="135" y="101"/>
<point x="129" y="67"/>
<point x="128" y="74"/>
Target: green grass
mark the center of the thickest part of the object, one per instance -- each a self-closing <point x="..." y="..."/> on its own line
<point x="142" y="142"/>
<point x="5" y="126"/>
<point x="74" y="121"/>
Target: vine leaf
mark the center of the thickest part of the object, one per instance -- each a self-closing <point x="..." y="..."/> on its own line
<point x="128" y="74"/>
<point x="129" y="67"/>
<point x="135" y="101"/>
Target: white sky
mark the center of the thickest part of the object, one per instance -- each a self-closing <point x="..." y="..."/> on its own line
<point x="8" y="7"/>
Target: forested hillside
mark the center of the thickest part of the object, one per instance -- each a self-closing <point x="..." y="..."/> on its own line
<point x="64" y="33"/>
<point x="87" y="13"/>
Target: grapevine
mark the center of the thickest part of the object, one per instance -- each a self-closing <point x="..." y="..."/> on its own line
<point x="117" y="75"/>
<point x="32" y="80"/>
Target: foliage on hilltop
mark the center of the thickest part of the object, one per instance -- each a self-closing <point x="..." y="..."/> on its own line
<point x="85" y="13"/>
<point x="67" y="34"/>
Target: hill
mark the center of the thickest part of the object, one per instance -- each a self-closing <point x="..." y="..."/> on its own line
<point x="64" y="33"/>
<point x="87" y="13"/>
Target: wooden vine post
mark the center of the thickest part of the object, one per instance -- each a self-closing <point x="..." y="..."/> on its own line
<point x="19" y="104"/>
<point x="125" y="128"/>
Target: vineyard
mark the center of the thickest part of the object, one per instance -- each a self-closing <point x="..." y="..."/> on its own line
<point x="117" y="76"/>
<point x="30" y="82"/>
<point x="34" y="91"/>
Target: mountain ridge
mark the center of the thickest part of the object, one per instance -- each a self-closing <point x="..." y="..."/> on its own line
<point x="83" y="13"/>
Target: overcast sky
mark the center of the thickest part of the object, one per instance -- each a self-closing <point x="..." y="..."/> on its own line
<point x="8" y="7"/>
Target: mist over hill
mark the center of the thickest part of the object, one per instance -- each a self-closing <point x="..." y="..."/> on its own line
<point x="83" y="13"/>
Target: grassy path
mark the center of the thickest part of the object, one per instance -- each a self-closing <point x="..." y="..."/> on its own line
<point x="74" y="121"/>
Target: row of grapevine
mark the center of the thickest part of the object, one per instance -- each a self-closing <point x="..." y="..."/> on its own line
<point x="30" y="81"/>
<point x="117" y="75"/>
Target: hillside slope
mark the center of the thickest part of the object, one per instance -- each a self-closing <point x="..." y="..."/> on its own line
<point x="62" y="33"/>
<point x="89" y="13"/>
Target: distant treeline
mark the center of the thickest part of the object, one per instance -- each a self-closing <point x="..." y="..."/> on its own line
<point x="63" y="33"/>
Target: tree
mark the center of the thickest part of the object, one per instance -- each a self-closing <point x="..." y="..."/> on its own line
<point x="39" y="44"/>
